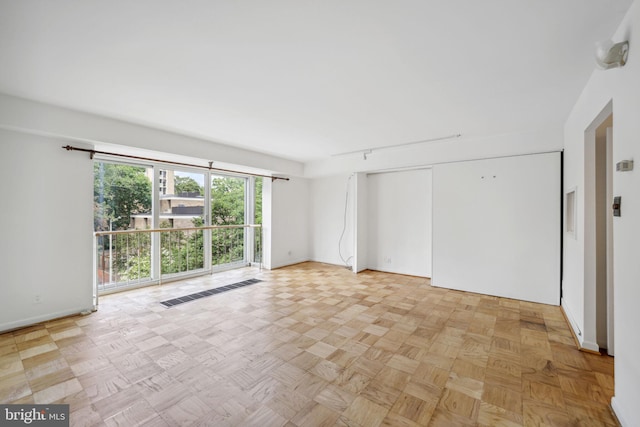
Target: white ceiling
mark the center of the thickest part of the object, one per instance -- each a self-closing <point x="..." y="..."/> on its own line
<point x="307" y="79"/>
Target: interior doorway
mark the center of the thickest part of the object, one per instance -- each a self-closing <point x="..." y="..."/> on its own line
<point x="599" y="280"/>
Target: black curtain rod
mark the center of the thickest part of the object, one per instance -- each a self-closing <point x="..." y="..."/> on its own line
<point x="128" y="156"/>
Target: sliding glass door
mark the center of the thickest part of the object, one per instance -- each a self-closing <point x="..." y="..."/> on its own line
<point x="181" y="208"/>
<point x="228" y="201"/>
<point x="130" y="199"/>
<point x="122" y="200"/>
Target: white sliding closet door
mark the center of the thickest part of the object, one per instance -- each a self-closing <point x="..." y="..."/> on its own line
<point x="496" y="227"/>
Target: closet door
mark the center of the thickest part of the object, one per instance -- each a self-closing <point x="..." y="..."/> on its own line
<point x="496" y="227"/>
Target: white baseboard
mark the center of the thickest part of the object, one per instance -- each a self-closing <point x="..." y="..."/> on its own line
<point x="617" y="410"/>
<point x="10" y="326"/>
<point x="286" y="263"/>
<point x="397" y="271"/>
<point x="577" y="333"/>
<point x="572" y="323"/>
<point x="588" y="345"/>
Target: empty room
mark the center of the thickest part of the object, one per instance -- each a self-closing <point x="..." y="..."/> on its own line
<point x="319" y="213"/>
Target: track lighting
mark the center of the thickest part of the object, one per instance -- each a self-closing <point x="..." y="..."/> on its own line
<point x="368" y="151"/>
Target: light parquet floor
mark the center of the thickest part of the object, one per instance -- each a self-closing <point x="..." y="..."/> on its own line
<point x="311" y="345"/>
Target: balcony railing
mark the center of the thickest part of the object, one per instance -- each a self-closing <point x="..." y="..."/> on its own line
<point x="130" y="258"/>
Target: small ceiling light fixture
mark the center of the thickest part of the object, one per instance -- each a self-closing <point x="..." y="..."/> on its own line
<point x="610" y="55"/>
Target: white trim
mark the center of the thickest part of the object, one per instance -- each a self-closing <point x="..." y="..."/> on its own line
<point x="572" y="323"/>
<point x="250" y="218"/>
<point x="589" y="236"/>
<point x="586" y="345"/>
<point x="246" y="241"/>
<point x="572" y="233"/>
<point x="610" y="244"/>
<point x="10" y="326"/>
<point x="617" y="410"/>
<point x="121" y="288"/>
<point x="156" y="257"/>
<point x="360" y="221"/>
<point x="292" y="262"/>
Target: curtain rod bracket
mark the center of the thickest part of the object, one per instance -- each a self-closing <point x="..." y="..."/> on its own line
<point x="72" y="148"/>
<point x="211" y="164"/>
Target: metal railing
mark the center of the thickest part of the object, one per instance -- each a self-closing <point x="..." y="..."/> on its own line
<point x="131" y="258"/>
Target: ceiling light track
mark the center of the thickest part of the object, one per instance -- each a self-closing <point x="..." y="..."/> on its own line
<point x="368" y="151"/>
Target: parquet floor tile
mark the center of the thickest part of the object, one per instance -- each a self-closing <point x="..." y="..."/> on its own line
<point x="310" y="345"/>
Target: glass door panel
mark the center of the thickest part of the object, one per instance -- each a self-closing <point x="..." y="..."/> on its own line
<point x="122" y="199"/>
<point x="227" y="208"/>
<point x="257" y="241"/>
<point x="181" y="207"/>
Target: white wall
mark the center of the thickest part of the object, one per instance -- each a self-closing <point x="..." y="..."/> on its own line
<point x="327" y="217"/>
<point x="496" y="227"/>
<point x="112" y="135"/>
<point x="46" y="224"/>
<point x="623" y="87"/>
<point x="67" y="219"/>
<point x="399" y="222"/>
<point x="286" y="219"/>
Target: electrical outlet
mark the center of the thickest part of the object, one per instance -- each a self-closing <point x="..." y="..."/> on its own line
<point x="37" y="299"/>
<point x="289" y="253"/>
<point x="387" y="260"/>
